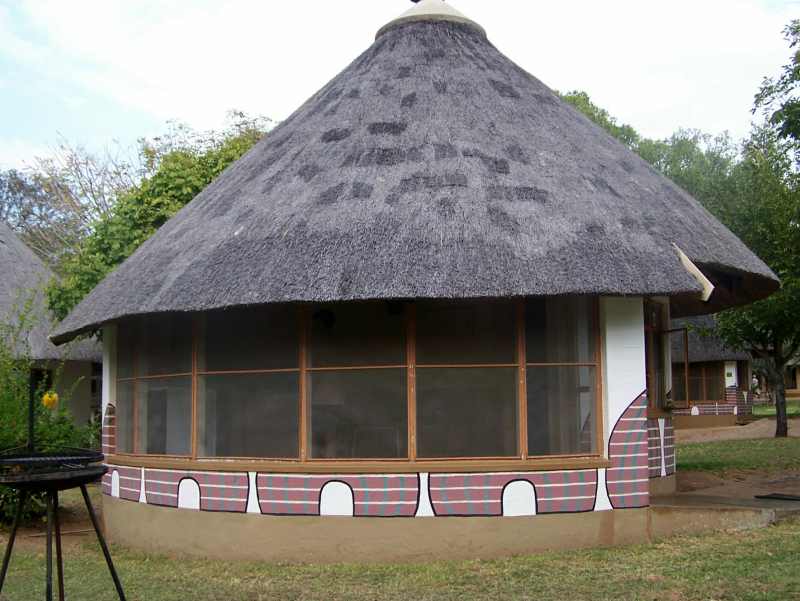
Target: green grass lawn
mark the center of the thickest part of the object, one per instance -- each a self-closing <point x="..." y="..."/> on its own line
<point x="773" y="454"/>
<point x="754" y="565"/>
<point x="792" y="409"/>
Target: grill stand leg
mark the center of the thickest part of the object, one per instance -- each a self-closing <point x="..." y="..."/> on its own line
<point x="103" y="546"/>
<point x="48" y="595"/>
<point x="59" y="557"/>
<point x="23" y="499"/>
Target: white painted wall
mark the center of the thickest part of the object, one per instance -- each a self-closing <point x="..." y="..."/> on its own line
<point x="336" y="499"/>
<point x="622" y="321"/>
<point x="622" y="330"/>
<point x="519" y="499"/>
<point x="109" y="366"/>
<point x="731" y="375"/>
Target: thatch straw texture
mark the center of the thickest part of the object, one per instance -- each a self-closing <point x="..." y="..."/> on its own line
<point x="23" y="277"/>
<point x="431" y="167"/>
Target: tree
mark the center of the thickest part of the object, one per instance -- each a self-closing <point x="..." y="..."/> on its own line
<point x="765" y="214"/>
<point x="175" y="168"/>
<point x="778" y="97"/>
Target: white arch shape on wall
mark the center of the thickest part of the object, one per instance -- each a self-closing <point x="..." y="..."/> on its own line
<point x="188" y="494"/>
<point x="336" y="499"/>
<point x="115" y="484"/>
<point x="519" y="499"/>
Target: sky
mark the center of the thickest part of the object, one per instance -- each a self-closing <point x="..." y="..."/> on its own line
<point x="106" y="72"/>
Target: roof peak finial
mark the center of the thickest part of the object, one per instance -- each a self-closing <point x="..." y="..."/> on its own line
<point x="431" y="10"/>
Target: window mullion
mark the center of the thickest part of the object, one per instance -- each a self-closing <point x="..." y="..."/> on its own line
<point x="522" y="420"/>
<point x="411" y="375"/>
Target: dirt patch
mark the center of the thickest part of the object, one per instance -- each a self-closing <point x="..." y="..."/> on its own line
<point x="763" y="428"/>
<point x="740" y="484"/>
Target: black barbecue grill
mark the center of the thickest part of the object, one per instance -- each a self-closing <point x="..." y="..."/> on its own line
<point x="31" y="472"/>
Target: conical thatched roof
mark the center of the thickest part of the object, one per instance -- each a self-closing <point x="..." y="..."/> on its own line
<point x="23" y="277"/>
<point x="703" y="344"/>
<point x="434" y="167"/>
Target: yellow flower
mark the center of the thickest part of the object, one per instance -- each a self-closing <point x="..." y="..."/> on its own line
<point x="50" y="399"/>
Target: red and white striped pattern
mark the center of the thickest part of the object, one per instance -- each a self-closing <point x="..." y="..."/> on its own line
<point x="654" y="448"/>
<point x="130" y="481"/>
<point x="395" y="495"/>
<point x="109" y="431"/>
<point x="219" y="491"/>
<point x="669" y="446"/>
<point x="627" y="480"/>
<point x="482" y="494"/>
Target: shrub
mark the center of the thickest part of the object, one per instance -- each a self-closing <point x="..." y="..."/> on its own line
<point x="54" y="428"/>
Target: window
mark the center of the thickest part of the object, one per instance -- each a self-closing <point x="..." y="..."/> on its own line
<point x="655" y="354"/>
<point x="154" y="385"/>
<point x="356" y="383"/>
<point x="706" y="382"/>
<point x="467" y="403"/>
<point x="376" y="381"/>
<point x="248" y="379"/>
<point x="562" y="370"/>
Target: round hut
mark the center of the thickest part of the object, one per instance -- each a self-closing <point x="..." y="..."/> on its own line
<point x="716" y="376"/>
<point x="435" y="293"/>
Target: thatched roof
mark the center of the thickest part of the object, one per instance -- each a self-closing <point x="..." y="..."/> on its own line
<point x="23" y="277"/>
<point x="431" y="167"/>
<point x="703" y="344"/>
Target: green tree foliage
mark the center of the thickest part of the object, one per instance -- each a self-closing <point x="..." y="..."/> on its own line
<point x="624" y="133"/>
<point x="778" y="97"/>
<point x="175" y="168"/>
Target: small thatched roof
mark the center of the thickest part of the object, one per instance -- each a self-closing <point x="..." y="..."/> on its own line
<point x="23" y="277"/>
<point x="431" y="167"/>
<point x="703" y="344"/>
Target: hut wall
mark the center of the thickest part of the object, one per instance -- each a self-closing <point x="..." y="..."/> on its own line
<point x="622" y="483"/>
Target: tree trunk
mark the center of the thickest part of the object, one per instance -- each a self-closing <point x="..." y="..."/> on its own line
<point x="776" y="383"/>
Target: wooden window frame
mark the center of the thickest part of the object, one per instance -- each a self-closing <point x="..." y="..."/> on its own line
<point x="304" y="463"/>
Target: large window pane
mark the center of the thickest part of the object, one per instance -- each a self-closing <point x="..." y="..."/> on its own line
<point x="460" y="333"/>
<point x="250" y="338"/>
<point x="249" y="415"/>
<point x="467" y="412"/>
<point x="561" y="410"/>
<point x="560" y="330"/>
<point x="357" y="334"/>
<point x="358" y="414"/>
<point x="165" y="345"/>
<point x="124" y="417"/>
<point x="165" y="416"/>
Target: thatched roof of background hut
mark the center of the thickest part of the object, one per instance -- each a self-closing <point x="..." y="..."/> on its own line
<point x="23" y="277"/>
<point x="431" y="167"/>
<point x="704" y="345"/>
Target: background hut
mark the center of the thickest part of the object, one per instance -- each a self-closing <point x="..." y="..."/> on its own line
<point x="435" y="290"/>
<point x="23" y="277"/>
<point x="716" y="376"/>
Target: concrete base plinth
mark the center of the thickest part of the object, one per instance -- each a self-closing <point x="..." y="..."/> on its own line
<point x="341" y="539"/>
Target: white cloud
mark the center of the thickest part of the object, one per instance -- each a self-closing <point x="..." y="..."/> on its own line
<point x="20" y="154"/>
<point x="655" y="65"/>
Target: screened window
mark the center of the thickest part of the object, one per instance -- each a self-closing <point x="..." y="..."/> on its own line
<point x="356" y="385"/>
<point x="561" y="375"/>
<point x="656" y="339"/>
<point x="154" y="387"/>
<point x="249" y="339"/>
<point x="248" y="383"/>
<point x="483" y="379"/>
<point x="249" y="415"/>
<point x="467" y="394"/>
<point x="358" y="414"/>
